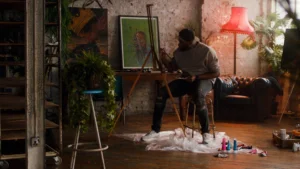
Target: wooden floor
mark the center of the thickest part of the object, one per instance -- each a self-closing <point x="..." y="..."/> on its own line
<point x="124" y="154"/>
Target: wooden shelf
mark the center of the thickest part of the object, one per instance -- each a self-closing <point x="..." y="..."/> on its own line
<point x="49" y="105"/>
<point x="51" y="3"/>
<point x="11" y="63"/>
<point x="12" y="82"/>
<point x="5" y="56"/>
<point x="19" y="102"/>
<point x="15" y="135"/>
<point x="14" y="4"/>
<point x="51" y="24"/>
<point x="19" y="82"/>
<point x="12" y="102"/>
<point x="12" y="116"/>
<point x="50" y="84"/>
<point x="12" y="44"/>
<point x="13" y="125"/>
<point x="11" y="2"/>
<point x="23" y="156"/>
<point x="11" y="23"/>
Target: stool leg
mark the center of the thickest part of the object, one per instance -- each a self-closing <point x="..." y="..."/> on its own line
<point x="124" y="115"/>
<point x="194" y="117"/>
<point x="212" y="117"/>
<point x="75" y="146"/>
<point x="97" y="130"/>
<point x="187" y="113"/>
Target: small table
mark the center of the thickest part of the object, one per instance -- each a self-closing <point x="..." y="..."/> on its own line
<point x="156" y="76"/>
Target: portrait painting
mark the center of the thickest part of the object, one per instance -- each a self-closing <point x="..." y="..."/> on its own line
<point x="135" y="41"/>
<point x="89" y="31"/>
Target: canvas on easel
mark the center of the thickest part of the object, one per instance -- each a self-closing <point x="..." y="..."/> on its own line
<point x="135" y="41"/>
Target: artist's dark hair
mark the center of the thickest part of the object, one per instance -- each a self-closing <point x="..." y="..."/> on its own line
<point x="187" y="35"/>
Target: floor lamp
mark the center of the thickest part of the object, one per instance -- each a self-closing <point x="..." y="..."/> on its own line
<point x="238" y="23"/>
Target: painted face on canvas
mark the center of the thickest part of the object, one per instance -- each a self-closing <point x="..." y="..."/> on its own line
<point x="140" y="40"/>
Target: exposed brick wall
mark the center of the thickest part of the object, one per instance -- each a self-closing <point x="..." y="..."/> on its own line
<point x="174" y="15"/>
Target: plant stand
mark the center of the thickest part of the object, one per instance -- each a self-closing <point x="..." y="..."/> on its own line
<point x="76" y="140"/>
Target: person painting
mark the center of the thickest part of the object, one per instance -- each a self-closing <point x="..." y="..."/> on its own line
<point x="200" y="67"/>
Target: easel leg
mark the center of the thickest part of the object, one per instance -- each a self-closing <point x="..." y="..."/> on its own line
<point x="290" y="94"/>
<point x="173" y="101"/>
<point x="126" y="102"/>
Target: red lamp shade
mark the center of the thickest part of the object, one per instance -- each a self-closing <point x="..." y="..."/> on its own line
<point x="238" y="22"/>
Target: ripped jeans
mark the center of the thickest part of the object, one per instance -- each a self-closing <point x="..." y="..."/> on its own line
<point x="198" y="89"/>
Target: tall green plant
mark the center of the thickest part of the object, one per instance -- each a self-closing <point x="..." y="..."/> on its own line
<point x="66" y="18"/>
<point x="78" y="75"/>
<point x="270" y="27"/>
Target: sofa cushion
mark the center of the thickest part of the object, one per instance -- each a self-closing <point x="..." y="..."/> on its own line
<point x="237" y="99"/>
<point x="243" y="86"/>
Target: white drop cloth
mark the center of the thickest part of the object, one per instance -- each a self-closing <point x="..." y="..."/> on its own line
<point x="176" y="141"/>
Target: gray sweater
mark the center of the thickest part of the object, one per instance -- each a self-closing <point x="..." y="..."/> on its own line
<point x="198" y="60"/>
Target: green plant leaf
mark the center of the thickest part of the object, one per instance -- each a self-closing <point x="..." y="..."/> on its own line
<point x="269" y="27"/>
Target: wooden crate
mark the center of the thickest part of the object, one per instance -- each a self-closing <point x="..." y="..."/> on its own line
<point x="288" y="143"/>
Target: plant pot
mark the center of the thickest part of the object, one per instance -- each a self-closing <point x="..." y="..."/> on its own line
<point x="95" y="82"/>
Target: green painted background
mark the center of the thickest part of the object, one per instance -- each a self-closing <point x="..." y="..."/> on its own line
<point x="129" y="27"/>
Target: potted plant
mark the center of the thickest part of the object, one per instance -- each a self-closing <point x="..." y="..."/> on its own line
<point x="80" y="74"/>
<point x="270" y="28"/>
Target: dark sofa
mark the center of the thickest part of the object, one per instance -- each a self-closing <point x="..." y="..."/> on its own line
<point x="244" y="98"/>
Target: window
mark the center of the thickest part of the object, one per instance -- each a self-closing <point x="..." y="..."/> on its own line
<point x="295" y="5"/>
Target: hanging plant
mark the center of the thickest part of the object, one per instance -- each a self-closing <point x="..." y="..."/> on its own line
<point x="249" y="43"/>
<point x="78" y="74"/>
<point x="270" y="28"/>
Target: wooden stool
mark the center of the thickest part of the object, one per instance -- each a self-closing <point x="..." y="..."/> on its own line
<point x="210" y="108"/>
<point x="76" y="140"/>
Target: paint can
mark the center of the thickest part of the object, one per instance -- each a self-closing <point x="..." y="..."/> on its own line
<point x="283" y="134"/>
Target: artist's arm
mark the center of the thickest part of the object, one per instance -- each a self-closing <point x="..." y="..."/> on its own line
<point x="173" y="65"/>
<point x="168" y="62"/>
<point x="212" y="65"/>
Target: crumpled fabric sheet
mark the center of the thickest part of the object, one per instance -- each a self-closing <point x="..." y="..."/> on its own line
<point x="176" y="141"/>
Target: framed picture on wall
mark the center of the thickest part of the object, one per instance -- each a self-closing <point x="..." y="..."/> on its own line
<point x="135" y="41"/>
<point x="89" y="31"/>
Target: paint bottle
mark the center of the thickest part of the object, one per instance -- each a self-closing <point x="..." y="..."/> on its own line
<point x="235" y="146"/>
<point x="224" y="144"/>
<point x="228" y="146"/>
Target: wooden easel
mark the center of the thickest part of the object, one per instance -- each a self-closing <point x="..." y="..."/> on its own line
<point x="289" y="97"/>
<point x="163" y="74"/>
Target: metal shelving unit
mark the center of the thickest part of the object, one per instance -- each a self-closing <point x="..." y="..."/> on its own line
<point x="13" y="105"/>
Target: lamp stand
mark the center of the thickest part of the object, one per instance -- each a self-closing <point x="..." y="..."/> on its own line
<point x="234" y="54"/>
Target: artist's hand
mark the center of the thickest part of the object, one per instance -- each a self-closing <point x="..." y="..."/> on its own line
<point x="191" y="78"/>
